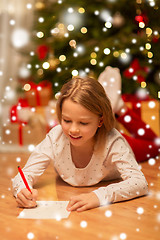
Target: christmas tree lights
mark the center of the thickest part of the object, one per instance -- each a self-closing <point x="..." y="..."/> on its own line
<point x="69" y="37"/>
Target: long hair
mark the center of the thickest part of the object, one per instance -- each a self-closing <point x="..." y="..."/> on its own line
<point x="90" y="94"/>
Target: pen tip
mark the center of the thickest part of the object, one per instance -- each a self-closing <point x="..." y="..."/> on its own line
<point x="18" y="166"/>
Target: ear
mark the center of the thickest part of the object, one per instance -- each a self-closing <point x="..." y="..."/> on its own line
<point x="100" y="122"/>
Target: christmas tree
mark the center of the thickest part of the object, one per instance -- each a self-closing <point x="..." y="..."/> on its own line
<point x="80" y="37"/>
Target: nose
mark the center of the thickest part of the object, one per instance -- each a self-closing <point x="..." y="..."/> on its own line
<point x="74" y="129"/>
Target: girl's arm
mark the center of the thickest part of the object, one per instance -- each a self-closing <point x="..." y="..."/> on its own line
<point x="35" y="166"/>
<point x="133" y="182"/>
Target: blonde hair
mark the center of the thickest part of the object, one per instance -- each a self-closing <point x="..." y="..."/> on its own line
<point x="90" y="94"/>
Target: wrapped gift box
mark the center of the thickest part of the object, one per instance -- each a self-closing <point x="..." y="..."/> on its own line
<point x="26" y="125"/>
<point x="148" y="109"/>
<point x="39" y="94"/>
<point x="48" y="113"/>
<point x="22" y="108"/>
<point x="23" y="134"/>
<point x="150" y="113"/>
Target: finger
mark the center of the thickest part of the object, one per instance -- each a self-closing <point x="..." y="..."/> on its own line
<point x="34" y="194"/>
<point x="30" y="204"/>
<point x="20" y="203"/>
<point x="83" y="208"/>
<point x="76" y="206"/>
<point x="24" y="201"/>
<point x="72" y="201"/>
<point x="27" y="194"/>
<point x="22" y="197"/>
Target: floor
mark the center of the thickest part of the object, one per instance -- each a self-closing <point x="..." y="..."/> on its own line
<point x="136" y="219"/>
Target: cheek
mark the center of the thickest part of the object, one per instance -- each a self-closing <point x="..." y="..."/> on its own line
<point x="64" y="126"/>
<point x="91" y="130"/>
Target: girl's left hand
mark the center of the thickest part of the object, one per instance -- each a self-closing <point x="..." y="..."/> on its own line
<point x="83" y="202"/>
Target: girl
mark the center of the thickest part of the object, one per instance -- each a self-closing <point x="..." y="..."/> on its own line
<point x="142" y="137"/>
<point x="85" y="149"/>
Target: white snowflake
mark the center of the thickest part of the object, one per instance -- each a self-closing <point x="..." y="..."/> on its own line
<point x="30" y="235"/>
<point x="83" y="224"/>
<point x="140" y="210"/>
<point x="108" y="213"/>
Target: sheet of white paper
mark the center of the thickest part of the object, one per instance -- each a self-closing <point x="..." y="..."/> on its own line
<point x="46" y="210"/>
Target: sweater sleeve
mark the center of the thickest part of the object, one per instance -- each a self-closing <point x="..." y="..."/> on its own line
<point x="35" y="166"/>
<point x="133" y="183"/>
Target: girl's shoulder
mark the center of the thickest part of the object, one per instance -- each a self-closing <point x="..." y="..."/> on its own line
<point x="114" y="134"/>
<point x="56" y="133"/>
<point x="58" y="140"/>
<point x="115" y="138"/>
<point x="56" y="129"/>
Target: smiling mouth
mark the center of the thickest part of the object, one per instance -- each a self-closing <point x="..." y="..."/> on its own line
<point x="76" y="138"/>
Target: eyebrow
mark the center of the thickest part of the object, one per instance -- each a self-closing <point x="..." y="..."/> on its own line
<point x="81" y="118"/>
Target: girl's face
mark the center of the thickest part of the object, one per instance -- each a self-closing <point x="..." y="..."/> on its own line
<point x="78" y="123"/>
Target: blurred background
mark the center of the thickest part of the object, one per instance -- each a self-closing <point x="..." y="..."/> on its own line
<point x="43" y="43"/>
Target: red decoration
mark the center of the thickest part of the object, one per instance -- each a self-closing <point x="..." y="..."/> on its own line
<point x="139" y="18"/>
<point x="135" y="102"/>
<point x="155" y="39"/>
<point x="136" y="69"/>
<point x="20" y="134"/>
<point x="42" y="51"/>
<point x="142" y="18"/>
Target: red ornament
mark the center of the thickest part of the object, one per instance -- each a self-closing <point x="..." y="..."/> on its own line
<point x="155" y="39"/>
<point x="141" y="18"/>
<point x="42" y="51"/>
<point x="136" y="69"/>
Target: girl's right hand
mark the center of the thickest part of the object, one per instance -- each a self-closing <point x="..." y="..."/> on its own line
<point x="25" y="199"/>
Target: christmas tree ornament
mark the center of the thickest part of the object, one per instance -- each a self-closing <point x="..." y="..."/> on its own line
<point x="40" y="72"/>
<point x="118" y="20"/>
<point x="42" y="51"/>
<point x="59" y="30"/>
<point x="72" y="43"/>
<point x="136" y="69"/>
<point x="141" y="18"/>
<point x="39" y="5"/>
<point x="52" y="61"/>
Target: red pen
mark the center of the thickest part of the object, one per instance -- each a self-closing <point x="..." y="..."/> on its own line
<point x="24" y="179"/>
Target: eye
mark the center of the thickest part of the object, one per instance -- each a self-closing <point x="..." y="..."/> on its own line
<point x="66" y="121"/>
<point x="83" y="123"/>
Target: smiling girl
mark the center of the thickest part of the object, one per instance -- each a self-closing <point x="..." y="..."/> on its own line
<point x="85" y="149"/>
